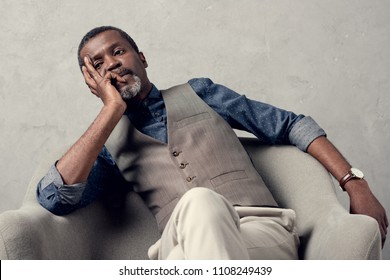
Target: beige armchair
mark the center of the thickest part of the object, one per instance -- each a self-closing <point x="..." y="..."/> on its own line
<point x="100" y="231"/>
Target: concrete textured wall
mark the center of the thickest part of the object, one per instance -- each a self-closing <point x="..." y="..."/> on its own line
<point x="328" y="59"/>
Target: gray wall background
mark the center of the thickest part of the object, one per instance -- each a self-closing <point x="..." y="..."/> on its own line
<point x="328" y="59"/>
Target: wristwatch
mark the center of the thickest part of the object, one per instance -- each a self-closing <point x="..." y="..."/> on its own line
<point x="353" y="173"/>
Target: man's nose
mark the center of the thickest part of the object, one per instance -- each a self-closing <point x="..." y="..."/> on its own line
<point x="112" y="63"/>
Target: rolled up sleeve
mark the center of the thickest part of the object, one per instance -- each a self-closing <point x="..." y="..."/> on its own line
<point x="305" y="131"/>
<point x="56" y="196"/>
<point x="61" y="199"/>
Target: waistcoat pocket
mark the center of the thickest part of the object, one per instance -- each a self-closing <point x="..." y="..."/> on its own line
<point x="227" y="177"/>
<point x="192" y="119"/>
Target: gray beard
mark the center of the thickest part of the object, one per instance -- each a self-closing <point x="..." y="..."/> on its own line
<point x="128" y="92"/>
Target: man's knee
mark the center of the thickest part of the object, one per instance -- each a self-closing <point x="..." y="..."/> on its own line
<point x="207" y="204"/>
<point x="204" y="198"/>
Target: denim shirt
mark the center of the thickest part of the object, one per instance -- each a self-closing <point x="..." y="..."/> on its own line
<point x="269" y="124"/>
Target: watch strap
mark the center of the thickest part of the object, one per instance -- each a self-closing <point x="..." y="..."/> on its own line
<point x="345" y="179"/>
<point x="353" y="173"/>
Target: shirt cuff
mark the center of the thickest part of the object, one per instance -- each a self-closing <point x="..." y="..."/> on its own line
<point x="304" y="132"/>
<point x="68" y="194"/>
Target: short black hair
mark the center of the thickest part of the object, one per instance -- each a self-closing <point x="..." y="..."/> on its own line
<point x="96" y="31"/>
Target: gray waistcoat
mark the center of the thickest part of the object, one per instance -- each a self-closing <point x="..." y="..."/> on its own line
<point x="202" y="151"/>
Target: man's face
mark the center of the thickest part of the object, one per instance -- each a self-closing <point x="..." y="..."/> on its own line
<point x="109" y="51"/>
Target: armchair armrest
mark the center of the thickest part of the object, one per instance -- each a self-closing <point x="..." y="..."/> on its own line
<point x="300" y="182"/>
<point x="98" y="231"/>
<point x="31" y="232"/>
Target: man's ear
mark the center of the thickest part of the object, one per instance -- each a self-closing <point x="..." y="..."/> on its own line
<point x="143" y="59"/>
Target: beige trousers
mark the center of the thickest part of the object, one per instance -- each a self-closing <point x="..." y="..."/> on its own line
<point x="204" y="225"/>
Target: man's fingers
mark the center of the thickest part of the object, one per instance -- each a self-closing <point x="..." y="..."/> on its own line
<point x="120" y="79"/>
<point x="94" y="75"/>
<point x="383" y="226"/>
<point x="90" y="69"/>
<point x="104" y="86"/>
<point x="91" y="83"/>
<point x="383" y="239"/>
<point x="112" y="76"/>
<point x="86" y="74"/>
<point x="93" y="90"/>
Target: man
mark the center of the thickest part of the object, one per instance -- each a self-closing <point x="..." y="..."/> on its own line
<point x="177" y="149"/>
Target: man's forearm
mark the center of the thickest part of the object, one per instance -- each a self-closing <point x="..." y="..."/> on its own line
<point x="362" y="200"/>
<point x="76" y="164"/>
<point x="326" y="153"/>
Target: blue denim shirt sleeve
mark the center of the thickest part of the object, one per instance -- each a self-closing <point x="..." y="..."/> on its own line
<point x="62" y="199"/>
<point x="269" y="124"/>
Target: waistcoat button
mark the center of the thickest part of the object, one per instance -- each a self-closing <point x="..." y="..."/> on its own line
<point x="183" y="165"/>
<point x="189" y="179"/>
<point x="175" y="154"/>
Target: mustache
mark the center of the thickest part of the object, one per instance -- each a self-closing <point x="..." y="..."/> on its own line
<point x="123" y="71"/>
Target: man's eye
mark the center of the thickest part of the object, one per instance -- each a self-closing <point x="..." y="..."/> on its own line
<point x="97" y="65"/>
<point x="118" y="52"/>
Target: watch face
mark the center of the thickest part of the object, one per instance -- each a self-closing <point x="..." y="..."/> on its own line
<point x="359" y="174"/>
